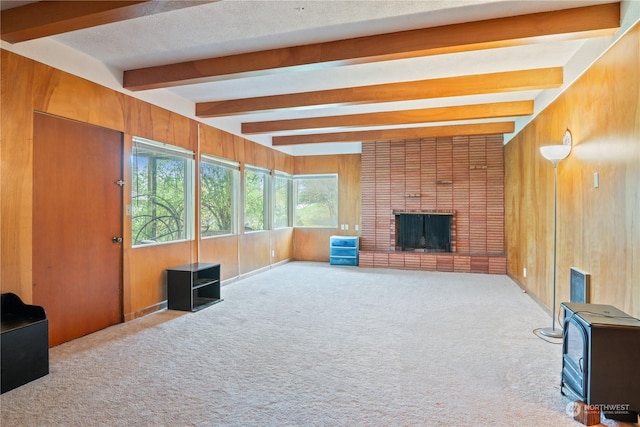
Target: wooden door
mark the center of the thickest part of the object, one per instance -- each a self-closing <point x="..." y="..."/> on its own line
<point x="77" y="210"/>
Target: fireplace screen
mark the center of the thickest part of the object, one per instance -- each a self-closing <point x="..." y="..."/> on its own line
<point x="423" y="232"/>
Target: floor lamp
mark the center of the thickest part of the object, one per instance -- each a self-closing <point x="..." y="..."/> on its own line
<point x="554" y="153"/>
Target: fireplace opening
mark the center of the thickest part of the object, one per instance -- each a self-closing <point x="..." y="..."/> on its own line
<point x="423" y="232"/>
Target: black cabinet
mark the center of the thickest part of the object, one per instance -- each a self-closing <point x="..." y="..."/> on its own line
<point x="192" y="287"/>
<point x="24" y="342"/>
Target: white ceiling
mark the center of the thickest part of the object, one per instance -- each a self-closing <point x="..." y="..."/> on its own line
<point x="228" y="27"/>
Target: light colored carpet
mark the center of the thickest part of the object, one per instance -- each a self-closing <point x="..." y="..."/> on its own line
<point x="309" y="344"/>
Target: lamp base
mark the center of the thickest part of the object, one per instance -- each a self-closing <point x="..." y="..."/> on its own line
<point x="551" y="332"/>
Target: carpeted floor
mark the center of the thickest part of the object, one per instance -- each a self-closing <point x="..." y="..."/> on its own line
<point x="309" y="344"/>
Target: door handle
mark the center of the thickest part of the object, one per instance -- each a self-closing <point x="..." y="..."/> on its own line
<point x="116" y="239"/>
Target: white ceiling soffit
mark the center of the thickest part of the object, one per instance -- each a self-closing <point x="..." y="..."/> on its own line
<point x="230" y="27"/>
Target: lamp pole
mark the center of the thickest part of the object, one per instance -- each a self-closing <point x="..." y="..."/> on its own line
<point x="554" y="153"/>
<point x="552" y="331"/>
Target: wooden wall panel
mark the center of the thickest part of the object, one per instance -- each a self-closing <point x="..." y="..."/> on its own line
<point x="315" y="164"/>
<point x="312" y="244"/>
<point x="254" y="251"/>
<point x="282" y="244"/>
<point x="129" y="283"/>
<point x="16" y="175"/>
<point x="282" y="162"/>
<point x="597" y="227"/>
<point x="349" y="192"/>
<point x="147" y="273"/>
<point x="68" y="96"/>
<point x="151" y="122"/>
<point x="222" y="250"/>
<point x="257" y="155"/>
<point x="222" y="144"/>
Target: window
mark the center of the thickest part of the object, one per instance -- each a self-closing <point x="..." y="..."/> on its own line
<point x="161" y="193"/>
<point x="316" y="200"/>
<point x="256" y="204"/>
<point x="282" y="184"/>
<point x="218" y="201"/>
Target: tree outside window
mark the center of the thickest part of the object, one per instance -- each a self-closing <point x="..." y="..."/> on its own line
<point x="316" y="200"/>
<point x="161" y="193"/>
<point x="282" y="200"/>
<point x="255" y="199"/>
<point x="218" y="180"/>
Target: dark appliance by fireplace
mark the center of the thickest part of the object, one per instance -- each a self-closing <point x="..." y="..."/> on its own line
<point x="423" y="232"/>
<point x="601" y="359"/>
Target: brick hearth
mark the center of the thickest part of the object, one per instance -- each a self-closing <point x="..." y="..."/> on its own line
<point x="462" y="175"/>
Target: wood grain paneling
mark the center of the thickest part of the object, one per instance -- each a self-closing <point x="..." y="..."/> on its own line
<point x="254" y="251"/>
<point x="597" y="227"/>
<point x="315" y="164"/>
<point x="147" y="273"/>
<point x="222" y="144"/>
<point x="65" y="95"/>
<point x="312" y="244"/>
<point x="257" y="155"/>
<point x="151" y="122"/>
<point x="222" y="250"/>
<point x="128" y="283"/>
<point x="282" y="162"/>
<point x="282" y="244"/>
<point x="349" y="192"/>
<point x="16" y="175"/>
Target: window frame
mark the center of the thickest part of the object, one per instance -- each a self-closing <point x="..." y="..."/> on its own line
<point x="295" y="198"/>
<point x="282" y="175"/>
<point x="234" y="168"/>
<point x="266" y="198"/>
<point x="189" y="185"/>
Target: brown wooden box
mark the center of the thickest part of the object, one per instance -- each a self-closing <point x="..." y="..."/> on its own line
<point x="586" y="414"/>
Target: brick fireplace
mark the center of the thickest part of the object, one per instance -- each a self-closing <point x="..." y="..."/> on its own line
<point x="459" y="176"/>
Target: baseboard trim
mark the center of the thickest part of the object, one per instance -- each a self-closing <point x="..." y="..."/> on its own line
<point x="532" y="296"/>
<point x="253" y="273"/>
<point x="145" y="311"/>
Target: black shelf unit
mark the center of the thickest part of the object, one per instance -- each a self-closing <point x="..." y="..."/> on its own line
<point x="192" y="287"/>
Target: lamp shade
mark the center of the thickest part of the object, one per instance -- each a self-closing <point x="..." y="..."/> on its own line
<point x="555" y="153"/>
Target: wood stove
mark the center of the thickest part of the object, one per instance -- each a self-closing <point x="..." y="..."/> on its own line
<point x="600" y="353"/>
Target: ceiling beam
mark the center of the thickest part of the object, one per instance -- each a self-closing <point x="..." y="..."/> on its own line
<point x="508" y="81"/>
<point x="590" y="21"/>
<point x="396" y="134"/>
<point x="424" y="115"/>
<point x="48" y="18"/>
